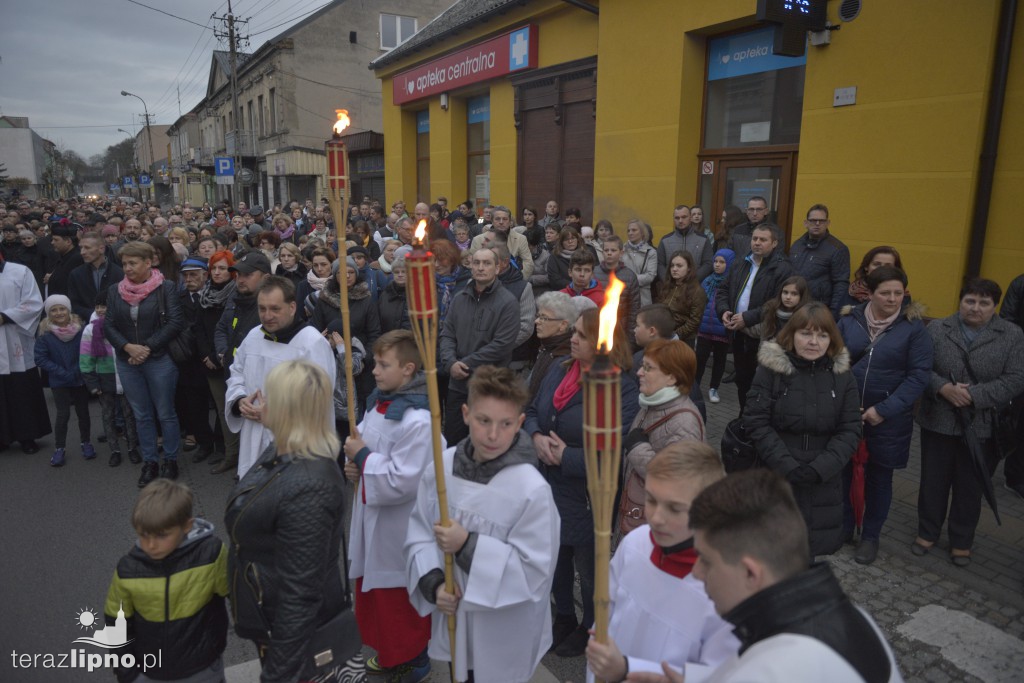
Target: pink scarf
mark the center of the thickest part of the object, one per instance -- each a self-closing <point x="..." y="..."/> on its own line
<point x="67" y="332"/>
<point x="569" y="386"/>
<point x="134" y="293"/>
<point x="876" y="327"/>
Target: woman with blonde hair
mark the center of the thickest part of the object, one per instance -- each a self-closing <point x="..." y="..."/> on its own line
<point x="284" y="519"/>
<point x="290" y="264"/>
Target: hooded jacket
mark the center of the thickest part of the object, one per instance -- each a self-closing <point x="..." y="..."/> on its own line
<point x="814" y="422"/>
<point x="891" y="376"/>
<point x="59" y="359"/>
<point x="174" y="606"/>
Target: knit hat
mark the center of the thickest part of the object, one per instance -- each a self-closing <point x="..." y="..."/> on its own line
<point x="56" y="300"/>
<point x="110" y="230"/>
<point x="358" y="250"/>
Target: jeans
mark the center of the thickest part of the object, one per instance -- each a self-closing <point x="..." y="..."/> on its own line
<point x="718" y="351"/>
<point x="64" y="398"/>
<point x="572" y="559"/>
<point x="149" y="389"/>
<point x="877" y="499"/>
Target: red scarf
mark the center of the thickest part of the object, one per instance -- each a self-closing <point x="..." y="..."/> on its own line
<point x="569" y="386"/>
<point x="677" y="564"/>
<point x="133" y="293"/>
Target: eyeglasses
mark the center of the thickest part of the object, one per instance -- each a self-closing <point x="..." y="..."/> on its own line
<point x="545" y="319"/>
<point x="817" y="221"/>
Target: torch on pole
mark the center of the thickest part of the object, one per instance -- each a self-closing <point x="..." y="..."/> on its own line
<point x="423" y="314"/>
<point x="337" y="190"/>
<point x="602" y="444"/>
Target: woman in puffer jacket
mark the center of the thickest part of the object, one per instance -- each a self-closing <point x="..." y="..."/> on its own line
<point x="803" y="414"/>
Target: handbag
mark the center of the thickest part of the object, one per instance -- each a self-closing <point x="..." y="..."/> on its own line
<point x="182" y="347"/>
<point x="1004" y="420"/>
<point x="739" y="452"/>
<point x="634" y="497"/>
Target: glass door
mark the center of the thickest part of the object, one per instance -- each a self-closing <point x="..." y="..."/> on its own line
<point x="734" y="179"/>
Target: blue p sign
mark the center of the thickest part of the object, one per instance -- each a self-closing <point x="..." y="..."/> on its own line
<point x="224" y="166"/>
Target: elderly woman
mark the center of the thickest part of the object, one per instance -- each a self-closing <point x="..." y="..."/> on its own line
<point x="556" y="315"/>
<point x="891" y="354"/>
<point x="392" y="302"/>
<point x="285" y="519"/>
<point x="803" y="415"/>
<point x="554" y="419"/>
<point x="143" y="315"/>
<point x="978" y="369"/>
<point x="666" y="416"/>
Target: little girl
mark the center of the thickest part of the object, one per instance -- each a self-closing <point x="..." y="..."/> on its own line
<point x="56" y="352"/>
<point x="713" y="338"/>
<point x="777" y="312"/>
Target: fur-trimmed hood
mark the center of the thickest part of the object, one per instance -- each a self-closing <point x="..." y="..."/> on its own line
<point x="913" y="310"/>
<point x="777" y="359"/>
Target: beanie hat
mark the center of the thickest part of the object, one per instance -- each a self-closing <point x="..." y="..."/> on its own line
<point x="56" y="300"/>
<point x="110" y="230"/>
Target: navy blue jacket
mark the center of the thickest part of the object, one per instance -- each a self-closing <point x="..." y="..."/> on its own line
<point x="82" y="288"/>
<point x="59" y="360"/>
<point x="825" y="264"/>
<point x="890" y="378"/>
<point x="569" y="480"/>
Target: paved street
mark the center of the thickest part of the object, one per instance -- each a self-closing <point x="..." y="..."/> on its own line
<point x="64" y="530"/>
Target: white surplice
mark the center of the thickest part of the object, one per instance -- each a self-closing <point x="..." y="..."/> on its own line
<point x="503" y="625"/>
<point x="255" y="358"/>
<point x="20" y="302"/>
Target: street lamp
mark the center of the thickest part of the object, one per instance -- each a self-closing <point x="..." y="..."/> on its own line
<point x="149" y="131"/>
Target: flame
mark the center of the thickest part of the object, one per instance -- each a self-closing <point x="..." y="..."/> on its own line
<point x="343" y="121"/>
<point x="421" y="231"/>
<point x="609" y="313"/>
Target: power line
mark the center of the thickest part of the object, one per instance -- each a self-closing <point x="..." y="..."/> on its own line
<point x="297" y="7"/>
<point x="135" y="2"/>
<point x="160" y="100"/>
<point x="356" y="91"/>
<point x="316" y="9"/>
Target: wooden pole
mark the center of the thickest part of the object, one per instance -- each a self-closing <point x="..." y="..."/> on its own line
<point x="424" y="316"/>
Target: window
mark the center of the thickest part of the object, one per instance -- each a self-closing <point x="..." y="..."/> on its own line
<point x="478" y="149"/>
<point x="395" y="30"/>
<point x="273" y="110"/>
<point x="252" y="116"/>
<point x="259" y="105"/>
<point x="423" y="156"/>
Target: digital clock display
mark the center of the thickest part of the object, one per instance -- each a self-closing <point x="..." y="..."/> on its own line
<point x="807" y="13"/>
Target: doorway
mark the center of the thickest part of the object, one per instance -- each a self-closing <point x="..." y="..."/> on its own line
<point x="733" y="179"/>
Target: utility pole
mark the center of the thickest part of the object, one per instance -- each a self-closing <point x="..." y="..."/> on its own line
<point x="230" y="21"/>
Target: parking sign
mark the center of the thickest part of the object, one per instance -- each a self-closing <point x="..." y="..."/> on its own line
<point x="224" y="166"/>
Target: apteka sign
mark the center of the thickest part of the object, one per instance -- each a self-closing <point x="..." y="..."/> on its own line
<point x="499" y="56"/>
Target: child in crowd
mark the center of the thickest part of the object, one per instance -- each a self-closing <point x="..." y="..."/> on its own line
<point x="582" y="282"/>
<point x="655" y="321"/>
<point x="712" y="337"/>
<point x="776" y="312"/>
<point x="96" y="362"/>
<point x="658" y="611"/>
<point x="504" y="533"/>
<point x="56" y="353"/>
<point x="169" y="591"/>
<point x="387" y="457"/>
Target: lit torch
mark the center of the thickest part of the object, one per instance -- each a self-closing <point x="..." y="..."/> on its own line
<point x="602" y="443"/>
<point x="337" y="187"/>
<point x="423" y="313"/>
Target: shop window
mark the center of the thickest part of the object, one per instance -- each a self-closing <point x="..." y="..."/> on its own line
<point x="754" y="98"/>
<point x="395" y="30"/>
<point x="423" y="156"/>
<point x="478" y="150"/>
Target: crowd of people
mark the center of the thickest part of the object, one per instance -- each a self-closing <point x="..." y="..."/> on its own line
<point x="217" y="333"/>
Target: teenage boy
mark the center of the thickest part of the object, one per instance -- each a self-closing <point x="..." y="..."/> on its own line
<point x="167" y="596"/>
<point x="504" y="532"/>
<point x="629" y="302"/>
<point x="659" y="611"/>
<point x="583" y="282"/>
<point x="387" y="457"/>
<point x="655" y="321"/>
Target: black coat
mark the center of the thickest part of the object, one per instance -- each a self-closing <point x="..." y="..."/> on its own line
<point x="285" y="525"/>
<point x="394" y="308"/>
<point x="297" y="276"/>
<point x="774" y="270"/>
<point x="890" y="378"/>
<point x="813" y="421"/>
<point x="82" y="288"/>
<point x="192" y="373"/>
<point x="825" y="264"/>
<point x="60" y="271"/>
<point x="150" y="329"/>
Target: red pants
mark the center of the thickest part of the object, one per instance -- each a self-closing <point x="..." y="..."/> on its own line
<point x="390" y="625"/>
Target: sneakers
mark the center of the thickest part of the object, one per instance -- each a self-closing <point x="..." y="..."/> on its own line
<point x="169" y="470"/>
<point x="88" y="452"/>
<point x="149" y="473"/>
<point x="575" y="645"/>
<point x="58" y="458"/>
<point x="115" y="459"/>
<point x="373" y="666"/>
<point x="407" y="673"/>
<point x="133" y="456"/>
<point x="713" y="395"/>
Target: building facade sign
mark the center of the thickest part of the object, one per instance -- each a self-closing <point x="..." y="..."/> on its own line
<point x="508" y="53"/>
<point x="741" y="54"/>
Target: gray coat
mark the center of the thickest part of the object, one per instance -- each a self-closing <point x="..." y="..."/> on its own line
<point x="696" y="243"/>
<point x="997" y="358"/>
<point x="480" y="329"/>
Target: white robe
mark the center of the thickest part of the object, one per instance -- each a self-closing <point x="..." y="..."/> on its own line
<point x="657" y="617"/>
<point x="21" y="302"/>
<point x="503" y="622"/>
<point x="400" y="451"/>
<point x="255" y="358"/>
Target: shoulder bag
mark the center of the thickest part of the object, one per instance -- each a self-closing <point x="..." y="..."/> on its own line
<point x="1004" y="420"/>
<point x="182" y="347"/>
<point x="631" y="503"/>
<point x="738" y="450"/>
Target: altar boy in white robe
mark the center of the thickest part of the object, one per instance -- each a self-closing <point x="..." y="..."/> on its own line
<point x="504" y="533"/>
<point x="282" y="336"/>
<point x="659" y="610"/>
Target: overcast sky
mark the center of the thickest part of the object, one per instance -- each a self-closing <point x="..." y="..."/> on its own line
<point x="64" y="63"/>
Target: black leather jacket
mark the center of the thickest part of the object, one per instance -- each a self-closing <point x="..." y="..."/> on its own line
<point x="151" y="329"/>
<point x="284" y="519"/>
<point x="813" y="604"/>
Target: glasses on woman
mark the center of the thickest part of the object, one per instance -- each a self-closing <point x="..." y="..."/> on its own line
<point x="545" y="319"/>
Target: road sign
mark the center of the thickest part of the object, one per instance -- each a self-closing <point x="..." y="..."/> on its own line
<point x="224" y="166"/>
<point x="246" y="176"/>
<point x="707" y="168"/>
<point x="145" y="181"/>
<point x="113" y="187"/>
<point x="128" y="181"/>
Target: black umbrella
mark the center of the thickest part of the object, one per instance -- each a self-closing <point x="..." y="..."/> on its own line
<point x="966" y="419"/>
